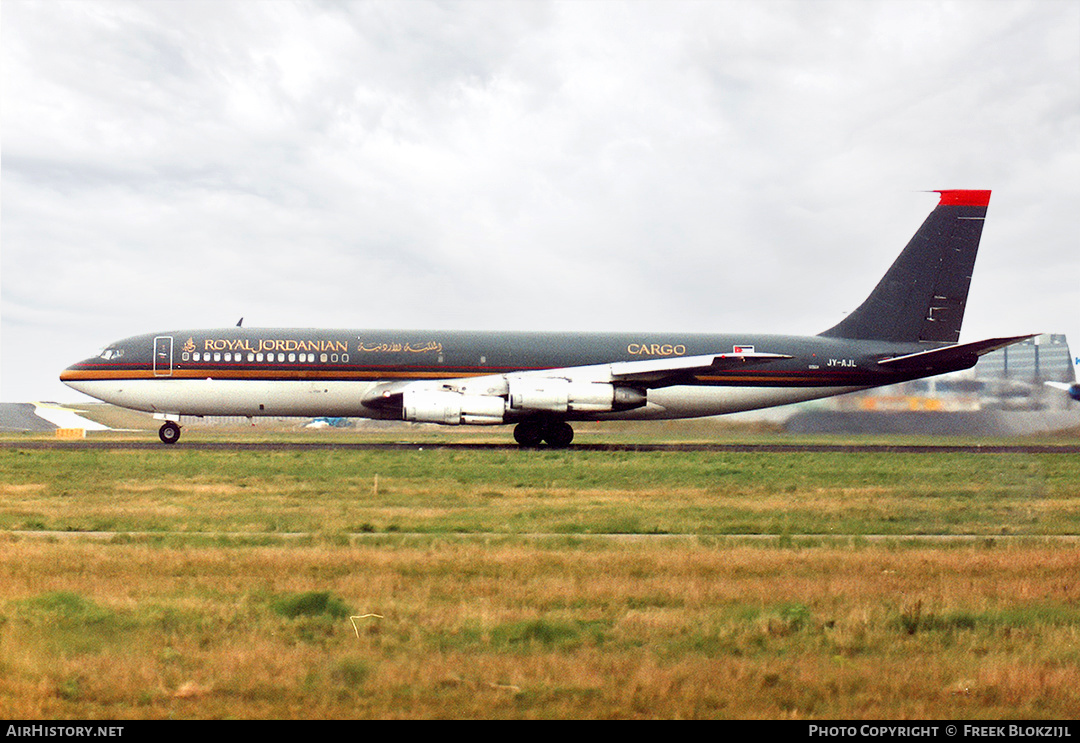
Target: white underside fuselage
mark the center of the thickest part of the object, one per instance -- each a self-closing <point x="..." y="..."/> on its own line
<point x="306" y="398"/>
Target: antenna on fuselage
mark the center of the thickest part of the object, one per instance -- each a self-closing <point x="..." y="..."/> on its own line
<point x="240" y="322"/>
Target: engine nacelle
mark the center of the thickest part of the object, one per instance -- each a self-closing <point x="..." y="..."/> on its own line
<point x="556" y="395"/>
<point x="451" y="408"/>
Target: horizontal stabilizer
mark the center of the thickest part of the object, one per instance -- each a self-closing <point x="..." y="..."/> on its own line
<point x="950" y="358"/>
<point x="1072" y="388"/>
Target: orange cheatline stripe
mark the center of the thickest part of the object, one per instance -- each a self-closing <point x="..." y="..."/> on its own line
<point x="374" y="375"/>
<point x="777" y="377"/>
<point x="75" y="375"/>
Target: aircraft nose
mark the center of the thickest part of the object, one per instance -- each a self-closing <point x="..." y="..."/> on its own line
<point x="70" y="374"/>
<point x="75" y="372"/>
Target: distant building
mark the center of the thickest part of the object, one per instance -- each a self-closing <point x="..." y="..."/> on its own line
<point x="1009" y="379"/>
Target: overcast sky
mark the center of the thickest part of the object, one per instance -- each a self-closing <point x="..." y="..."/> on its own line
<point x="690" y="166"/>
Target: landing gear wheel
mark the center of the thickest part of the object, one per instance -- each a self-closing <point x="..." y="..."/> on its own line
<point x="169" y="433"/>
<point x="558" y="434"/>
<point x="528" y="433"/>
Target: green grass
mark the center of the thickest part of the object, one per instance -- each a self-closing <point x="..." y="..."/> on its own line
<point x="513" y="584"/>
<point x="440" y="491"/>
<point x="311" y="604"/>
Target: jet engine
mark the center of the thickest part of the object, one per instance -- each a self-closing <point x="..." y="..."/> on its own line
<point x="523" y="396"/>
<point x="556" y="395"/>
<point x="451" y="408"/>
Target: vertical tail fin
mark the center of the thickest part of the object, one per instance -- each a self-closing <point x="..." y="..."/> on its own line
<point x="922" y="296"/>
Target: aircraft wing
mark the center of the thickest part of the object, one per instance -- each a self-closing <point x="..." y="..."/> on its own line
<point x="641" y="374"/>
<point x="960" y="356"/>
<point x="662" y="372"/>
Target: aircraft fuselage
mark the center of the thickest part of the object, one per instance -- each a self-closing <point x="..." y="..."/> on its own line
<point x="306" y="372"/>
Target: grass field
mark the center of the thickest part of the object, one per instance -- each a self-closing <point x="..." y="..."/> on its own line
<point x="173" y="583"/>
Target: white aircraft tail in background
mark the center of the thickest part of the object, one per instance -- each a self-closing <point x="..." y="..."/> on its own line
<point x="1073" y="387"/>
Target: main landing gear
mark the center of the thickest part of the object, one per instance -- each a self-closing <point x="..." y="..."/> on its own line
<point x="558" y="434"/>
<point x="169" y="433"/>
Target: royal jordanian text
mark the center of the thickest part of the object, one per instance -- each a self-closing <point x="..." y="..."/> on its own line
<point x="269" y="345"/>
<point x="948" y="731"/>
<point x="65" y="731"/>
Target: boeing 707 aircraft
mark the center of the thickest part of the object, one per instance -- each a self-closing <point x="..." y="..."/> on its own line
<point x="909" y="327"/>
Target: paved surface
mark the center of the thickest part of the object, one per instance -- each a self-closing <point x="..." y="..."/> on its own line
<point x="975" y="423"/>
<point x="20" y="416"/>
<point x="414" y="446"/>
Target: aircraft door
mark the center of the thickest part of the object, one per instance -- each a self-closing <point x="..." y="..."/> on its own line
<point x="163" y="347"/>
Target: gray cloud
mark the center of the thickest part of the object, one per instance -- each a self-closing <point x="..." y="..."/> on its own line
<point x="679" y="165"/>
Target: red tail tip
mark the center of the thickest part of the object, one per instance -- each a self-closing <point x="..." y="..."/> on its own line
<point x="962" y="197"/>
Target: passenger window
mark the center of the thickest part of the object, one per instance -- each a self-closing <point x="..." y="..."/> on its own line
<point x="259" y="356"/>
<point x="197" y="356"/>
<point x="280" y="357"/>
<point x="217" y="356"/>
<point x="292" y="357"/>
<point x="322" y="358"/>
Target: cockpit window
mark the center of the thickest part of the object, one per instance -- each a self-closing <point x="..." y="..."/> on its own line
<point x="112" y="353"/>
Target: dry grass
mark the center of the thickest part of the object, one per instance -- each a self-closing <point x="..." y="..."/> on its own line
<point x="650" y="629"/>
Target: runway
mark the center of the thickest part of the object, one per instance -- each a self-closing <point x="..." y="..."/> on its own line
<point x="355" y="538"/>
